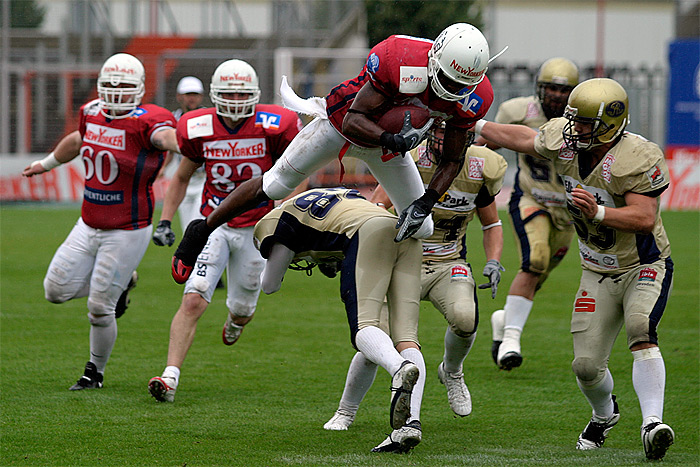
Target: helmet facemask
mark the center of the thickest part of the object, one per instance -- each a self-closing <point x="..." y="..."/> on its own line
<point x="234" y="77"/>
<point x="120" y="85"/>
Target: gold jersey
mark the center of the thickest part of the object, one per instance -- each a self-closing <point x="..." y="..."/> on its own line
<point x="536" y="179"/>
<point x="633" y="165"/>
<point x="453" y="211"/>
<point x="317" y="224"/>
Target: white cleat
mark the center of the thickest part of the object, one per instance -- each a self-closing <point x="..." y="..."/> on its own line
<point x="402" y="440"/>
<point x="509" y="355"/>
<point x="340" y="421"/>
<point x="498" y="320"/>
<point x="457" y="393"/>
<point x="231" y="331"/>
<point x="657" y="437"/>
<point x="162" y="388"/>
<point x="401" y="387"/>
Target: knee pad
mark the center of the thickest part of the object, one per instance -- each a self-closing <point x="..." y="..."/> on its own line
<point x="242" y="310"/>
<point x="53" y="292"/>
<point x="637" y="326"/>
<point x="101" y="321"/>
<point x="273" y="187"/>
<point x="539" y="257"/>
<point x="587" y="371"/>
<point x="463" y="322"/>
<point x="97" y="305"/>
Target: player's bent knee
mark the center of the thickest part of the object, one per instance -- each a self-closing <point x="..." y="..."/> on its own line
<point x="539" y="258"/>
<point x="274" y="188"/>
<point x="587" y="370"/>
<point x="101" y="321"/>
<point x="637" y="326"/>
<point x="98" y="305"/>
<point x="54" y="293"/>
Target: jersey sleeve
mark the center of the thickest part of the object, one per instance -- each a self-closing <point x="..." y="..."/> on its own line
<point x="380" y="69"/>
<point x="648" y="174"/>
<point x="549" y="139"/>
<point x="190" y="148"/>
<point x="158" y="119"/>
<point x="494" y="167"/>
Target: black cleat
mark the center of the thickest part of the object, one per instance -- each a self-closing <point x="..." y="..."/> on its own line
<point x="90" y="380"/>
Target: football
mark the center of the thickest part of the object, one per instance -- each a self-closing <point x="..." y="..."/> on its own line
<point x="392" y="120"/>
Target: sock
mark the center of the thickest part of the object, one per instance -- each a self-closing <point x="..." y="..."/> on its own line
<point x="360" y="378"/>
<point x="456" y="350"/>
<point x="416" y="357"/>
<point x="599" y="396"/>
<point x="172" y="372"/>
<point x="102" y="339"/>
<point x="517" y="310"/>
<point x="649" y="381"/>
<point x="378" y="348"/>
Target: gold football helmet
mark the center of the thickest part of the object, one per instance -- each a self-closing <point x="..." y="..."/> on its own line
<point x="555" y="80"/>
<point x="600" y="103"/>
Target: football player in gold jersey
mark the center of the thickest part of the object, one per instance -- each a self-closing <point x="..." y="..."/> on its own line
<point x="613" y="180"/>
<point x="446" y="277"/>
<point x="328" y="225"/>
<point x="541" y="223"/>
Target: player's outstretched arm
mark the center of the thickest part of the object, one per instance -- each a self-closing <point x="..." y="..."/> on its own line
<point x="66" y="150"/>
<point x="519" y="138"/>
<point x="166" y="140"/>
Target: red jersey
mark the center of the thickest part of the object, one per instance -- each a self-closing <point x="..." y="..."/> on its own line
<point x="398" y="68"/>
<point x="121" y="164"/>
<point x="233" y="155"/>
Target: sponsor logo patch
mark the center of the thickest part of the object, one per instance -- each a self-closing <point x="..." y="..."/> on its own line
<point x="372" y="63"/>
<point x="584" y="305"/>
<point x="460" y="272"/>
<point x="103" y="197"/>
<point x="476" y="168"/>
<point x="566" y="154"/>
<point x="235" y="149"/>
<point x="267" y="120"/>
<point x="471" y="104"/>
<point x="656" y="176"/>
<point x="647" y="275"/>
<point x="199" y="127"/>
<point x="413" y="79"/>
<point x="605" y="169"/>
<point x="99" y="135"/>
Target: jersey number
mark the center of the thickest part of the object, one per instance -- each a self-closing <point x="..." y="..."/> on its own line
<point x="601" y="236"/>
<point x="102" y="165"/>
<point x="451" y="226"/>
<point x="221" y="174"/>
<point x="319" y="203"/>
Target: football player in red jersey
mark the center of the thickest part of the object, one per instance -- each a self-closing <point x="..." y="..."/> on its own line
<point x="122" y="144"/>
<point x="446" y="76"/>
<point x="236" y="140"/>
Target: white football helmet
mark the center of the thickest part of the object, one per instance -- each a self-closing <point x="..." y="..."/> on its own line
<point x="234" y="76"/>
<point x="457" y="61"/>
<point x="120" y="70"/>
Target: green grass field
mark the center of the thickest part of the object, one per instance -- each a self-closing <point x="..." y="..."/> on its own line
<point x="263" y="401"/>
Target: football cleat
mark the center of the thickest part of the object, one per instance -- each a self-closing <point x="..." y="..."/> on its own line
<point x="123" y="302"/>
<point x="402" y="440"/>
<point x="401" y="387"/>
<point x="231" y="331"/>
<point x="657" y="437"/>
<point x="162" y="388"/>
<point x="91" y="379"/>
<point x="340" y="421"/>
<point x="593" y="436"/>
<point x="498" y="319"/>
<point x="457" y="393"/>
<point x="509" y="355"/>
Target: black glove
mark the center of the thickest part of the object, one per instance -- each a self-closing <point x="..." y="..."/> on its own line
<point x="192" y="244"/>
<point x="492" y="270"/>
<point x="164" y="235"/>
<point x="413" y="216"/>
<point x="408" y="138"/>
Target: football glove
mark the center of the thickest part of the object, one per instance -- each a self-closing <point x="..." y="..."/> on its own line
<point x="192" y="244"/>
<point x="406" y="139"/>
<point x="413" y="216"/>
<point x="492" y="270"/>
<point x="164" y="235"/>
